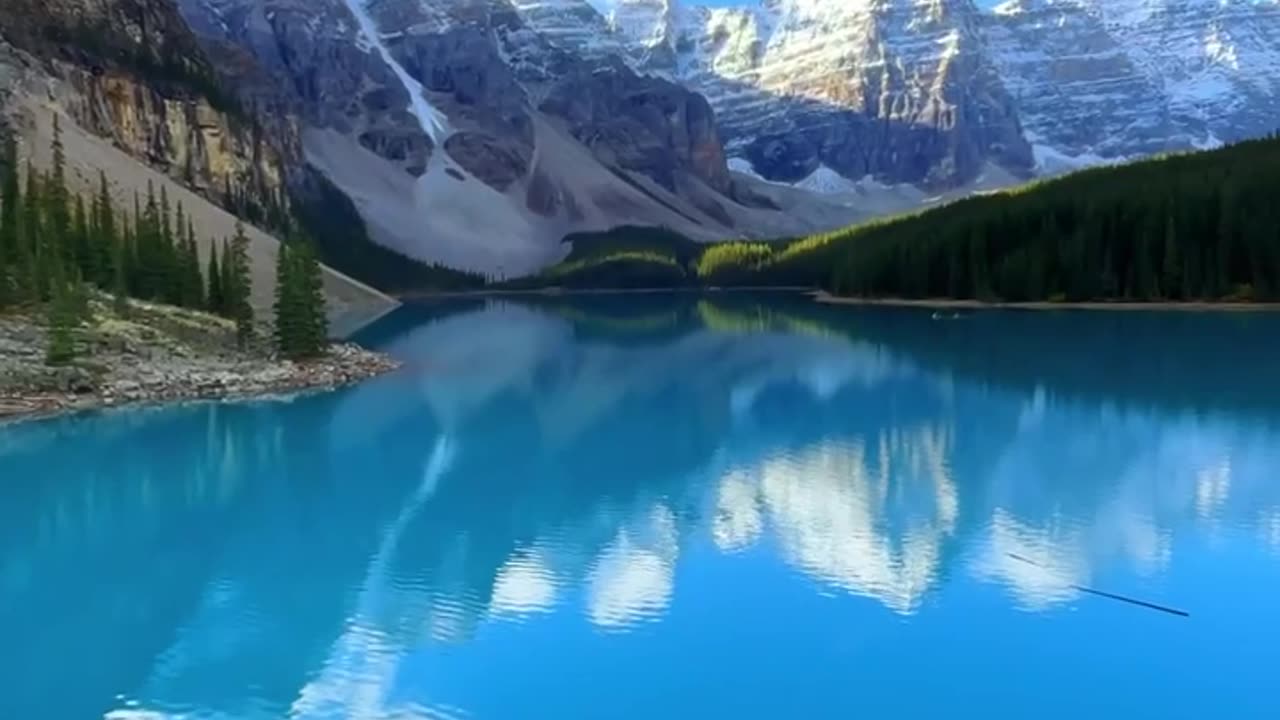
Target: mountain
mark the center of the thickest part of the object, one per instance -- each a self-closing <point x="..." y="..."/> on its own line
<point x="469" y="132"/>
<point x="481" y="133"/>
<point x="930" y="91"/>
<point x="1096" y="81"/>
<point x="900" y="91"/>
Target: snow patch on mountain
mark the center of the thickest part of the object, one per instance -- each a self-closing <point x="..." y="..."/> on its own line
<point x="433" y="122"/>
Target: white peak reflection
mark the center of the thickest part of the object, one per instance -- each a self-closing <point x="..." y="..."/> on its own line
<point x="524" y="585"/>
<point x="872" y="524"/>
<point x="739" y="520"/>
<point x="1270" y="526"/>
<point x="1213" y="488"/>
<point x="634" y="577"/>
<point x="1040" y="567"/>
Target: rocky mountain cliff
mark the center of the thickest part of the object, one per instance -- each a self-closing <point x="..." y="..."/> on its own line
<point x="900" y="91"/>
<point x="479" y="133"/>
<point x="470" y="134"/>
<point x="928" y="91"/>
<point x="1102" y="81"/>
<point x="141" y="102"/>
<point x="132" y="71"/>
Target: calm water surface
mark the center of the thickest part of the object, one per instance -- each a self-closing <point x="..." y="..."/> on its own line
<point x="672" y="507"/>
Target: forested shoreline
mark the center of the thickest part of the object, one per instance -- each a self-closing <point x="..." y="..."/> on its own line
<point x="1201" y="226"/>
<point x="58" y="249"/>
<point x="102" y="306"/>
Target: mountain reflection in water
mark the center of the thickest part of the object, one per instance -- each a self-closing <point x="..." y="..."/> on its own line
<point x="661" y="485"/>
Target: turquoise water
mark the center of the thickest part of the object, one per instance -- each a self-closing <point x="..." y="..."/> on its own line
<point x="670" y="507"/>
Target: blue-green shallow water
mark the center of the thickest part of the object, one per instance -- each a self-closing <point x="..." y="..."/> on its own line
<point x="653" y="507"/>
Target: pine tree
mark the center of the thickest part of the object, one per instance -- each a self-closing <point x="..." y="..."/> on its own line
<point x="193" y="294"/>
<point x="168" y="273"/>
<point x="120" y="275"/>
<point x="147" y="229"/>
<point x="79" y="296"/>
<point x="236" y="265"/>
<point x="10" y="205"/>
<point x="313" y="310"/>
<point x="215" y="303"/>
<point x="286" y="305"/>
<point x="62" y="322"/>
<point x="103" y="251"/>
<point x="301" y="324"/>
<point x="228" y="281"/>
<point x="131" y="231"/>
<point x="57" y="197"/>
<point x="33" y="242"/>
<point x="78" y="247"/>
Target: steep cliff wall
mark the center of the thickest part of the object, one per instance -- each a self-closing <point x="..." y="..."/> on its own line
<point x="140" y="102"/>
<point x="132" y="72"/>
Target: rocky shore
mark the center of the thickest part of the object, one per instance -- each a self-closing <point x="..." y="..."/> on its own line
<point x="157" y="354"/>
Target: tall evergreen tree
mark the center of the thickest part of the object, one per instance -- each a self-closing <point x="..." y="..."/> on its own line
<point x="314" y="311"/>
<point x="58" y="212"/>
<point x="34" y="231"/>
<point x="79" y="253"/>
<point x="103" y="251"/>
<point x="62" y="319"/>
<point x="301" y="329"/>
<point x="131" y="231"/>
<point x="215" y="302"/>
<point x="120" y="274"/>
<point x="150" y="264"/>
<point x="193" y="293"/>
<point x="287" y="320"/>
<point x="168" y="271"/>
<point x="10" y="205"/>
<point x="227" y="283"/>
<point x="239" y="286"/>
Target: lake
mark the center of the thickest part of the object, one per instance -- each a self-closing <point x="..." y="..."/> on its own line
<point x="673" y="506"/>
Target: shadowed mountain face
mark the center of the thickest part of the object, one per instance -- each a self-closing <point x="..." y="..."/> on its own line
<point x="643" y="488"/>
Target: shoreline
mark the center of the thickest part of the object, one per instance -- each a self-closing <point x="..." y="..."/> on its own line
<point x="560" y="292"/>
<point x="826" y="298"/>
<point x="344" y="364"/>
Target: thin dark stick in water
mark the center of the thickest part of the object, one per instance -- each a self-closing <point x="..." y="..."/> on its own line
<point x="1111" y="596"/>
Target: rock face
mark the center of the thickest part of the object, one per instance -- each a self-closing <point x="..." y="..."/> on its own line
<point x="928" y="91"/>
<point x="1108" y="80"/>
<point x="132" y="71"/>
<point x="900" y="91"/>
<point x="479" y="132"/>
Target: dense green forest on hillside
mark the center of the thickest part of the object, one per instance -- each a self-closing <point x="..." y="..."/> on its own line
<point x="1201" y="226"/>
<point x="58" y="250"/>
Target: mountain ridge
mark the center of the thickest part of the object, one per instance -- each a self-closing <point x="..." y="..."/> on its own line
<point x="479" y="134"/>
<point x="1179" y="74"/>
